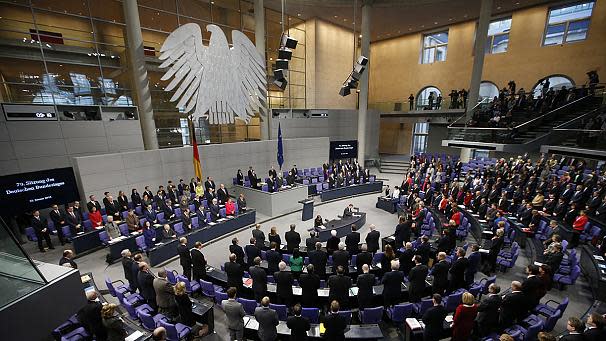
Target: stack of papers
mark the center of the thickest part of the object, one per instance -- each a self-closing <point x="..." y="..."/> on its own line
<point x="600" y="258"/>
<point x="413" y="323"/>
<point x="211" y="223"/>
<point x="134" y="336"/>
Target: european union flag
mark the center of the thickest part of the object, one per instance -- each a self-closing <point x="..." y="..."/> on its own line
<point x="280" y="148"/>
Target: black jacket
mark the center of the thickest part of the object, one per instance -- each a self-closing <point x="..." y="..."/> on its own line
<point x="335" y="327"/>
<point x="372" y="241"/>
<point x="440" y="277"/>
<point x="184" y="256"/>
<point x="90" y="317"/>
<point x="594" y="334"/>
<point x="234" y="275"/>
<point x="259" y="280"/>
<point x="362" y="258"/>
<point x="340" y="257"/>
<point x="284" y="283"/>
<point x="332" y="244"/>
<point x="365" y="283"/>
<point x="416" y="277"/>
<point x="237" y="250"/>
<point x="434" y="323"/>
<point x="457" y="272"/>
<point x="146" y="285"/>
<point x="339" y="289"/>
<point x="514" y="308"/>
<point x="310" y="283"/>
<point x="488" y="313"/>
<point x="533" y="289"/>
<point x="392" y="285"/>
<point x="406" y="262"/>
<point x="251" y="252"/>
<point x="402" y="233"/>
<point x="293" y="239"/>
<point x="351" y="241"/>
<point x="298" y="327"/>
<point x="318" y="258"/>
<point x="273" y="259"/>
<point x="310" y="243"/>
<point x="198" y="263"/>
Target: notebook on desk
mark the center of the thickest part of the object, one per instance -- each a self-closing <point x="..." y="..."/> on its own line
<point x="413" y="323"/>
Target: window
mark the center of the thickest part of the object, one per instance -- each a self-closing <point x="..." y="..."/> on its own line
<point x="419" y="138"/>
<point x="434" y="47"/>
<point x="498" y="36"/>
<point x="424" y="95"/>
<point x="488" y="90"/>
<point x="568" y="24"/>
<point x="556" y="82"/>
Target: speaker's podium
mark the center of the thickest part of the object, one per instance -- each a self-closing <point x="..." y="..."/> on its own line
<point x="308" y="209"/>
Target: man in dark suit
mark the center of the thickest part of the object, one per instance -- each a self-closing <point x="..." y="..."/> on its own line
<point x="416" y="278"/>
<point x="146" y="285"/>
<point x="90" y="317"/>
<point x="334" y="323"/>
<point x="340" y="258"/>
<point x="332" y="244"/>
<point x="424" y="250"/>
<point x="310" y="283"/>
<point x="271" y="184"/>
<point x="406" y="259"/>
<point x="259" y="279"/>
<point x="352" y="240"/>
<point x="318" y="258"/>
<point x="127" y="266"/>
<point x="310" y="243"/>
<point x="514" y="306"/>
<point x="198" y="262"/>
<point x="167" y="208"/>
<point x="58" y="219"/>
<point x="365" y="284"/>
<point x="595" y="327"/>
<point x="267" y="319"/>
<point x="348" y="213"/>
<point x="93" y="202"/>
<point x="474" y="260"/>
<point x="362" y="258"/>
<point x="372" y="239"/>
<point x="137" y="259"/>
<point x="293" y="239"/>
<point x="184" y="257"/>
<point x="222" y="194"/>
<point x="402" y="233"/>
<point x="457" y="270"/>
<point x="209" y="183"/>
<point x="575" y="329"/>
<point x="554" y="259"/>
<point x="298" y="325"/>
<point x="209" y="195"/>
<point x="440" y="275"/>
<point x="533" y="287"/>
<point x="273" y="257"/>
<point x="73" y="220"/>
<point x="392" y="284"/>
<point x="237" y="250"/>
<point x="40" y="226"/>
<point x="68" y="258"/>
<point x="434" y="320"/>
<point x="150" y="215"/>
<point x="112" y="207"/>
<point x="284" y="282"/>
<point x="214" y="210"/>
<point x="259" y="236"/>
<point x="339" y="285"/>
<point x="487" y="320"/>
<point x="234" y="273"/>
<point x="252" y="251"/>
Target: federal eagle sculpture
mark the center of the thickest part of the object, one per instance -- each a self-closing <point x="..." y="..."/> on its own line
<point x="217" y="82"/>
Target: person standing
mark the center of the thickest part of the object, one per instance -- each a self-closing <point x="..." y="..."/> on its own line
<point x="146" y="285"/>
<point x="284" y="282"/>
<point x="234" y="312"/>
<point x="198" y="262"/>
<point x="339" y="285"/>
<point x="268" y="320"/>
<point x="127" y="265"/>
<point x="90" y="317"/>
<point x="487" y="320"/>
<point x="235" y="272"/>
<point x="259" y="279"/>
<point x="40" y="226"/>
<point x="293" y="239"/>
<point x="365" y="283"/>
<point x="352" y="241"/>
<point x="416" y="278"/>
<point x="392" y="284"/>
<point x="440" y="275"/>
<point x="259" y="236"/>
<point x="184" y="257"/>
<point x="164" y="295"/>
<point x="114" y="325"/>
<point x="58" y="219"/>
<point x="457" y="270"/>
<point x="434" y="320"/>
<point x="411" y="102"/>
<point x="319" y="259"/>
<point x="464" y="317"/>
<point x="298" y="325"/>
<point x="310" y="283"/>
<point x="334" y="323"/>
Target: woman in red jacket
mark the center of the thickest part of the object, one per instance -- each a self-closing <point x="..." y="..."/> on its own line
<point x="578" y="226"/>
<point x="230" y="208"/>
<point x="95" y="217"/>
<point x="464" y="318"/>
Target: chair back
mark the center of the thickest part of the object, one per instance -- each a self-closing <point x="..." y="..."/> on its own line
<point x="194" y="222"/>
<point x="401" y="312"/>
<point x="170" y="276"/>
<point x="425" y="304"/>
<point x="179" y="229"/>
<point x="453" y="301"/>
<point x="171" y="331"/>
<point x="346" y="314"/>
<point x="248" y="305"/>
<point x="123" y="229"/>
<point x="551" y="321"/>
<point x="533" y="330"/>
<point x="104" y="237"/>
<point x="372" y="315"/>
<point x="88" y="225"/>
<point x="563" y="305"/>
<point x="110" y="286"/>
<point x="67" y="232"/>
<point x="140" y="240"/>
<point x="31" y="234"/>
<point x="146" y="320"/>
<point x="178" y="212"/>
<point x="208" y="289"/>
<point x="311" y="314"/>
<point x="221" y="296"/>
<point x="281" y="310"/>
<point x="376" y="259"/>
<point x="130" y="308"/>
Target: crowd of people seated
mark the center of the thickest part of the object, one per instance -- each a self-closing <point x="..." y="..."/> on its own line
<point x="500" y="112"/>
<point x="176" y="203"/>
<point x="336" y="174"/>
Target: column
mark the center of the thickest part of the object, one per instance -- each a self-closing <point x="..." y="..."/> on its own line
<point x="363" y="99"/>
<point x="136" y="63"/>
<point x="478" y="60"/>
<point x="465" y="154"/>
<point x="260" y="43"/>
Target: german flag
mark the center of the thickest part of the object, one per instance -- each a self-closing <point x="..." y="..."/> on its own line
<point x="192" y="134"/>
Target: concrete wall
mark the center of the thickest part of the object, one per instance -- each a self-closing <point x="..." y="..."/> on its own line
<point x="338" y="125"/>
<point x="438" y="132"/>
<point x="526" y="60"/>
<point x="124" y="171"/>
<point x="27" y="146"/>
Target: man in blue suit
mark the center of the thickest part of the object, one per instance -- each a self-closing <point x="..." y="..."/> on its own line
<point x="150" y="215"/>
<point x="474" y="260"/>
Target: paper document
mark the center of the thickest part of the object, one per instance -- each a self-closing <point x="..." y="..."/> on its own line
<point x="413" y="323"/>
<point x="134" y="336"/>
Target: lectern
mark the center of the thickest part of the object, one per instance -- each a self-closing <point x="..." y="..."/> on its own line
<point x="308" y="209"/>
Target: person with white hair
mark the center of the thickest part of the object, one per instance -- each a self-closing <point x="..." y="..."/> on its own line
<point x="284" y="282"/>
<point x="372" y="239"/>
<point x="392" y="284"/>
<point x="364" y="257"/>
<point x="127" y="265"/>
<point x="90" y="316"/>
<point x="332" y="244"/>
<point x="365" y="283"/>
<point x="340" y="258"/>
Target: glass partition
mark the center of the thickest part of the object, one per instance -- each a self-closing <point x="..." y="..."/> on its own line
<point x="18" y="274"/>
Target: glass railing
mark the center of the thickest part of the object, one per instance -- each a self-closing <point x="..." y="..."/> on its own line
<point x="405" y="106"/>
<point x="18" y="274"/>
<point x="582" y="138"/>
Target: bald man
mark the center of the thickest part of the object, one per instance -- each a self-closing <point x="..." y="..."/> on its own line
<point x="365" y="283"/>
<point x="234" y="273"/>
<point x="90" y="317"/>
<point x="514" y="306"/>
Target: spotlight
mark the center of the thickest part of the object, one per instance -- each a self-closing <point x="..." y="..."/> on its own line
<point x="362" y="60"/>
<point x="284" y="53"/>
<point x="288" y="41"/>
<point x="345" y="90"/>
<point x="282" y="64"/>
<point x="279" y="74"/>
<point x="281" y="83"/>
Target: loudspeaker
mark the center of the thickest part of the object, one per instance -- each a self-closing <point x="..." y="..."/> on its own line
<point x="279" y="74"/>
<point x="289" y="42"/>
<point x="355" y="75"/>
<point x="362" y="60"/>
<point x="282" y="64"/>
<point x="281" y="83"/>
<point x="345" y="90"/>
<point x="284" y="53"/>
<point x="352" y="83"/>
<point x="359" y="68"/>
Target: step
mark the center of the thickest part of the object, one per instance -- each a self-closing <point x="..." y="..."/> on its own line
<point x="399" y="169"/>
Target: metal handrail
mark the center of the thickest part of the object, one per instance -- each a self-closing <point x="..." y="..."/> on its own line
<point x="553" y="111"/>
<point x="574" y="120"/>
<point x="475" y="107"/>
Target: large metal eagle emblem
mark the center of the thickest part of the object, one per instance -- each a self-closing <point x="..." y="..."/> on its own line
<point x="215" y="81"/>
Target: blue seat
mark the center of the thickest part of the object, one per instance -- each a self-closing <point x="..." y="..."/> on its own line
<point x="175" y="332"/>
<point x="104" y="237"/>
<point x="399" y="312"/>
<point x="311" y="314"/>
<point x="281" y="310"/>
<point x="189" y="286"/>
<point x="371" y="315"/>
<point x="31" y="234"/>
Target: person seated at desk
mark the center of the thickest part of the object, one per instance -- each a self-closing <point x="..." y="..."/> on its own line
<point x="68" y="259"/>
<point x="150" y="234"/>
<point x="150" y="215"/>
<point x="332" y="181"/>
<point x="168" y="233"/>
<point x="240" y="178"/>
<point x="271" y="186"/>
<point x="230" y="207"/>
<point x="348" y="212"/>
<point x="274" y="237"/>
<point x="290" y="178"/>
<point x="318" y="221"/>
<point x="73" y="220"/>
<point x="280" y="181"/>
<point x="132" y="221"/>
<point x="241" y="203"/>
<point x="201" y="214"/>
<point x="186" y="220"/>
<point x="112" y="228"/>
<point x="214" y="210"/>
<point x="167" y="208"/>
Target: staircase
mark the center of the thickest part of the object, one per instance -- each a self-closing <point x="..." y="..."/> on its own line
<point x="394" y="164"/>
